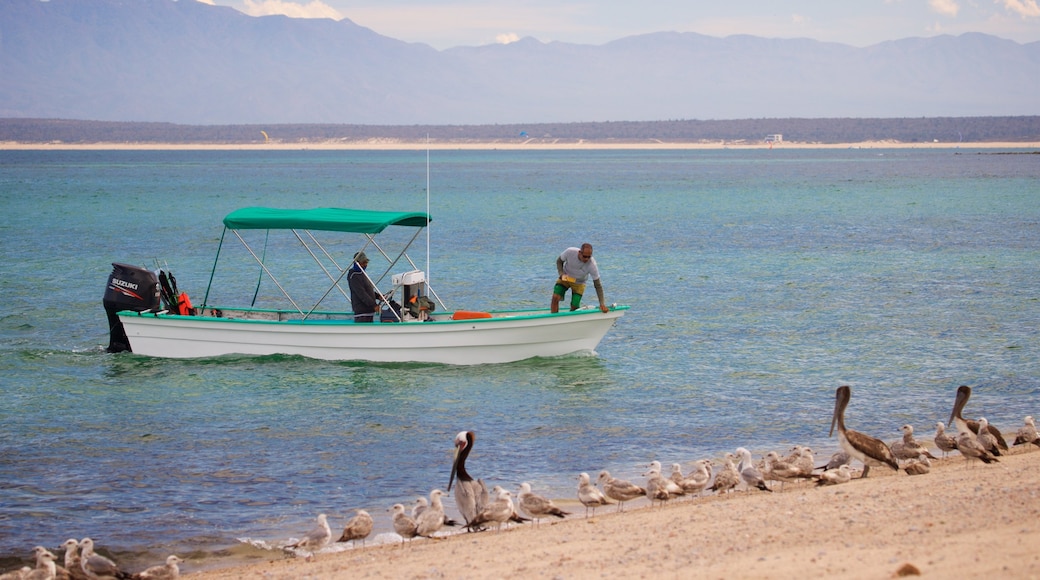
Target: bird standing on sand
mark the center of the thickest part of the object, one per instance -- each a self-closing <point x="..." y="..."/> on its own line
<point x="72" y="560"/>
<point x="167" y="571"/>
<point x="869" y="450"/>
<point x="1027" y="433"/>
<point x="697" y="480"/>
<point x="403" y="525"/>
<point x="748" y="472"/>
<point x="96" y="566"/>
<point x="589" y="495"/>
<point x="357" y="528"/>
<point x="837" y="476"/>
<point x="497" y="512"/>
<point x="969" y="446"/>
<point x="727" y="477"/>
<point x="433" y="518"/>
<point x="963" y="394"/>
<point x="317" y="538"/>
<point x="45" y="566"/>
<point x="471" y="495"/>
<point x="909" y="448"/>
<point x="619" y="490"/>
<point x="536" y="506"/>
<point x="943" y="440"/>
<point x="657" y="487"/>
<point x="919" y="465"/>
<point x="986" y="439"/>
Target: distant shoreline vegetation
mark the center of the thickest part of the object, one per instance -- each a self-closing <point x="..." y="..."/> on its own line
<point x="821" y="131"/>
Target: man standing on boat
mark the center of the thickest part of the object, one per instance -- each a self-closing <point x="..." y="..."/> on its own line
<point x="364" y="299"/>
<point x="574" y="266"/>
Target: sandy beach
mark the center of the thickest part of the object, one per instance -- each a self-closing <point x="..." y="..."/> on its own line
<point x="505" y="144"/>
<point x="961" y="520"/>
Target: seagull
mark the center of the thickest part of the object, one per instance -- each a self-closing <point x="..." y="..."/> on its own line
<point x="969" y="446"/>
<point x="357" y="528"/>
<point x="590" y="496"/>
<point x="471" y="495"/>
<point x="727" y="478"/>
<point x="316" y="539"/>
<point x="433" y="518"/>
<point x="779" y="469"/>
<point x="72" y="560"/>
<point x="167" y="571"/>
<point x="403" y="525"/>
<point x="1027" y="433"/>
<point x="537" y="506"/>
<point x="619" y="490"/>
<point x="919" y="465"/>
<point x="909" y="447"/>
<point x="945" y="442"/>
<point x="697" y="480"/>
<point x="45" y="567"/>
<point x="498" y="511"/>
<point x="839" y="475"/>
<point x="986" y="439"/>
<point x="859" y="446"/>
<point x="659" y="488"/>
<point x="420" y="506"/>
<point x="963" y="394"/>
<point x="96" y="566"/>
<point x="838" y="459"/>
<point x="748" y="472"/>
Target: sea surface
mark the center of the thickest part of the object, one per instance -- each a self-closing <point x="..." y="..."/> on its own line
<point x="758" y="280"/>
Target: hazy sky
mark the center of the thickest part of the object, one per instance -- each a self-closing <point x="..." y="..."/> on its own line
<point x="447" y="23"/>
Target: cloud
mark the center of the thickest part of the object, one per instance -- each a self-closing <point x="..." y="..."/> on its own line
<point x="1024" y="8"/>
<point x="507" y="37"/>
<point x="312" y="9"/>
<point x="947" y="7"/>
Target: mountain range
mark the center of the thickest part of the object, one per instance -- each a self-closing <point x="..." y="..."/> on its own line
<point x="193" y="63"/>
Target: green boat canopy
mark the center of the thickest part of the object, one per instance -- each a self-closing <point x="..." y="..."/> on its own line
<point x="329" y="219"/>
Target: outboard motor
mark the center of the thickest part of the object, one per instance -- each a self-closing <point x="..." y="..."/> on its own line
<point x="129" y="288"/>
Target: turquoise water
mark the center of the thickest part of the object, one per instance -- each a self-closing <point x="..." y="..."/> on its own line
<point x="759" y="281"/>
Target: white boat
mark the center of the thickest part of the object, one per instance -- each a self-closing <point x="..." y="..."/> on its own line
<point x="149" y="316"/>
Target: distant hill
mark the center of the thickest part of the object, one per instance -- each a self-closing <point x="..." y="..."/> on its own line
<point x="917" y="130"/>
<point x="190" y="63"/>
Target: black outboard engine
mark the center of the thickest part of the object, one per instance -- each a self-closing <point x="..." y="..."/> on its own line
<point x="129" y="288"/>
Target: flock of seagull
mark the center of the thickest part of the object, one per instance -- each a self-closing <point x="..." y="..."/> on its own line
<point x="481" y="510"/>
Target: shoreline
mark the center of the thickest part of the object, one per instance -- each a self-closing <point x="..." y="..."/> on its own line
<point x="959" y="520"/>
<point x="530" y="144"/>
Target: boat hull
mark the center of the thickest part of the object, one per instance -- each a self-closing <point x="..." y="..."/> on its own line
<point x="504" y="337"/>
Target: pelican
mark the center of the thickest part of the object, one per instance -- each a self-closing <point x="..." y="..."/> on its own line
<point x="842" y="474"/>
<point x="749" y="473"/>
<point x="946" y="443"/>
<point x="859" y="446"/>
<point x="314" y="540"/>
<point x="537" y="506"/>
<point x="1027" y="433"/>
<point x="167" y="571"/>
<point x="403" y="525"/>
<point x="471" y="495"/>
<point x="589" y="495"/>
<point x="357" y="528"/>
<point x="963" y="394"/>
<point x="619" y="489"/>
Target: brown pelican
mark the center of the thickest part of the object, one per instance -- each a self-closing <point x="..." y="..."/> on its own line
<point x="859" y="446"/>
<point x="619" y="489"/>
<point x="403" y="525"/>
<point x="1027" y="433"/>
<point x="314" y="540"/>
<point x="357" y="528"/>
<point x="167" y="571"/>
<point x="749" y="473"/>
<point x="589" y="495"/>
<point x="946" y="443"/>
<point x="963" y="394"/>
<point x="471" y="495"/>
<point x="537" y="506"/>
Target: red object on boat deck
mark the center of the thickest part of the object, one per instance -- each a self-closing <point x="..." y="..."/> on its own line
<point x="469" y="314"/>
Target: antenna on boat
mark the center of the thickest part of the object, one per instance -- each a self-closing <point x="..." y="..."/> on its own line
<point x="427" y="209"/>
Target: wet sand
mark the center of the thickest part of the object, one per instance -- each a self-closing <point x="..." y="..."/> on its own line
<point x="962" y="520"/>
